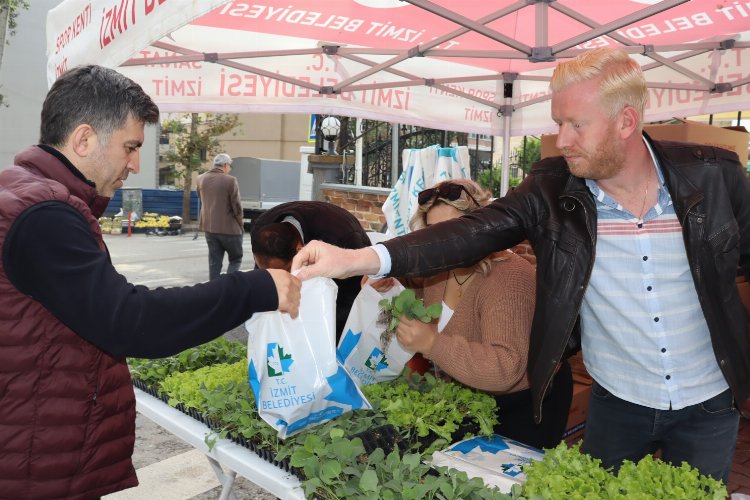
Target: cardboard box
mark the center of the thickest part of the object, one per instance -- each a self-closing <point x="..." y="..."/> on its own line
<point x="577" y="415"/>
<point x="732" y="138"/>
<point x="744" y="288"/>
<point x="578" y="369"/>
<point x="496" y="460"/>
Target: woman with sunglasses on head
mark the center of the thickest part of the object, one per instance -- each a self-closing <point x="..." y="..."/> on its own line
<point x="482" y="336"/>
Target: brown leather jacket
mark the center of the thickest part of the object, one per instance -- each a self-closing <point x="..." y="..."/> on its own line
<point x="556" y="213"/>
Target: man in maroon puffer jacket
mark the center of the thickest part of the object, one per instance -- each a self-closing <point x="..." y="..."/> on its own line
<point x="68" y="319"/>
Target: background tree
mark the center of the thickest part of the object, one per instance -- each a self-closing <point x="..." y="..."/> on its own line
<point x="522" y="156"/>
<point x="197" y="140"/>
<point x="8" y="14"/>
<point x="528" y="152"/>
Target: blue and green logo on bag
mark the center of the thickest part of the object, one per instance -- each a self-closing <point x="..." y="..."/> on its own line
<point x="277" y="361"/>
<point x="377" y="360"/>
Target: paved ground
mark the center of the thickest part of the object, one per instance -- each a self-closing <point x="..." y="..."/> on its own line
<point x="168" y="468"/>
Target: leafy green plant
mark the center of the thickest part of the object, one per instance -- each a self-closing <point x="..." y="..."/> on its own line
<point x="407" y="304"/>
<point x="351" y="423"/>
<point x="395" y="476"/>
<point x="567" y="473"/>
<point x="220" y="350"/>
<point x="9" y="11"/>
<point x="457" y="485"/>
<point x="420" y="405"/>
<point x="219" y="392"/>
<point x="233" y="407"/>
<point x="324" y="463"/>
<point x="336" y="467"/>
<point x="523" y="157"/>
<point x="185" y="387"/>
<point x="336" y="464"/>
<point x="653" y="478"/>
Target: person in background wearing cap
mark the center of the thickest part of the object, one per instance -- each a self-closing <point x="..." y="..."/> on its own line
<point x="221" y="216"/>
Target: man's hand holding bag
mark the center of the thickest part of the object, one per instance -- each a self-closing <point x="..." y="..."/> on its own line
<point x="292" y="365"/>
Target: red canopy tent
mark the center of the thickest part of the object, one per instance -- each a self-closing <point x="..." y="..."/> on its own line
<point x="472" y="66"/>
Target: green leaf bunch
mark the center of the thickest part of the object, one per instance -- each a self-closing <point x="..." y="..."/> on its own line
<point x="234" y="407"/>
<point x="567" y="473"/>
<point x="407" y="304"/>
<point x="338" y="468"/>
<point x="352" y="423"/>
<point x="454" y="484"/>
<point x="219" y="350"/>
<point x="329" y="465"/>
<point x="421" y="404"/>
<point x="395" y="476"/>
<point x="336" y="465"/>
<point x="653" y="478"/>
<point x="185" y="387"/>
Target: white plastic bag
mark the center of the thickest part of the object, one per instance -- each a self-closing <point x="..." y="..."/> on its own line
<point x="292" y="366"/>
<point x="497" y="460"/>
<point x="423" y="168"/>
<point x="361" y="349"/>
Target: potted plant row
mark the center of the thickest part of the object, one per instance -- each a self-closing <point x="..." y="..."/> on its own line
<point x="383" y="452"/>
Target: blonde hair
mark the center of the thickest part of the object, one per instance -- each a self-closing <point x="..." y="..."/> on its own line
<point x="463" y="204"/>
<point x="621" y="80"/>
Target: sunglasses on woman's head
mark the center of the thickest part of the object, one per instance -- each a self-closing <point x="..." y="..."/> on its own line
<point x="449" y="192"/>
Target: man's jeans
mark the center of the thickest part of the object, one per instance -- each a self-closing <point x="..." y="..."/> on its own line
<point x="217" y="245"/>
<point x="703" y="435"/>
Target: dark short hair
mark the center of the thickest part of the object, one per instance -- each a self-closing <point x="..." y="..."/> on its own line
<point x="278" y="239"/>
<point x="98" y="96"/>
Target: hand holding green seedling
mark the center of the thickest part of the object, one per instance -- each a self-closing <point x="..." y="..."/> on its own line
<point x="406" y="304"/>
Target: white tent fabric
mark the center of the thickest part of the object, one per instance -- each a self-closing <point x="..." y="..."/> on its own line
<point x="475" y="66"/>
<point x="423" y="168"/>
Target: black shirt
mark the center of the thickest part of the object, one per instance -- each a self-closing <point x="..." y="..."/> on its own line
<point x="51" y="256"/>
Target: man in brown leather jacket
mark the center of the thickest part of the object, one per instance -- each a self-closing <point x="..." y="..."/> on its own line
<point x="638" y="244"/>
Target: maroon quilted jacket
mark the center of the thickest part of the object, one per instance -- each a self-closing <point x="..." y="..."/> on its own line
<point x="67" y="409"/>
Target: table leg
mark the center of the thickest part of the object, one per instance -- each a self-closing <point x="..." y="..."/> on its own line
<point x="226" y="479"/>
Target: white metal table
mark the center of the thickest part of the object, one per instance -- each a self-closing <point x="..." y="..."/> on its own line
<point x="224" y="454"/>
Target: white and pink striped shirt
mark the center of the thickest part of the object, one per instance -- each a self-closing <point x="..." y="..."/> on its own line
<point x="644" y="336"/>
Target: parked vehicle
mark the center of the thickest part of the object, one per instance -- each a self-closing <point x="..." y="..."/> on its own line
<point x="264" y="184"/>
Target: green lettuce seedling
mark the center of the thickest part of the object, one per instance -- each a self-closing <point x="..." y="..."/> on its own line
<point x="407" y="304"/>
<point x="404" y="304"/>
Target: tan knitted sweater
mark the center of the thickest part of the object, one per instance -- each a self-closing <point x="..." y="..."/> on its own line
<point x="485" y="344"/>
